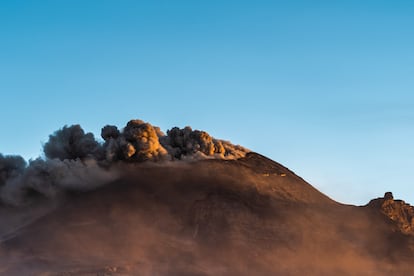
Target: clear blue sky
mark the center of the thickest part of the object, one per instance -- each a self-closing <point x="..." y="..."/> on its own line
<point x="323" y="87"/>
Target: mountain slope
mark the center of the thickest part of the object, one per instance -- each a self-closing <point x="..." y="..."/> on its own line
<point x="249" y="216"/>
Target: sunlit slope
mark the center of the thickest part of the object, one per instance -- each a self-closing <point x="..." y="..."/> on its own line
<point x="250" y="216"/>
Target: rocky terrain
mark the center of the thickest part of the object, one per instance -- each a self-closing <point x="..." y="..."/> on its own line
<point x="401" y="213"/>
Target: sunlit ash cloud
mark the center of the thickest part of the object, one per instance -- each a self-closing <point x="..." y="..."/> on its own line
<point x="75" y="160"/>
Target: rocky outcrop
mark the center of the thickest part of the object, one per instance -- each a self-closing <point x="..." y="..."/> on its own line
<point x="397" y="210"/>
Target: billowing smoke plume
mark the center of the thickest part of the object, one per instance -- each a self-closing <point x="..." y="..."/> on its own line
<point x="75" y="160"/>
<point x="10" y="167"/>
<point x="71" y="143"/>
<point x="141" y="141"/>
<point x="50" y="177"/>
<point x="138" y="141"/>
<point x="188" y="142"/>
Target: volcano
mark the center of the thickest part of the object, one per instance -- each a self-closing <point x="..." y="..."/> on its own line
<point x="248" y="216"/>
<point x="184" y="203"/>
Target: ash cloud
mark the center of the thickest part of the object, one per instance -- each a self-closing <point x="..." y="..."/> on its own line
<point x="71" y="143"/>
<point x="10" y="166"/>
<point x="188" y="142"/>
<point x="75" y="160"/>
<point x="140" y="141"/>
<point x="49" y="178"/>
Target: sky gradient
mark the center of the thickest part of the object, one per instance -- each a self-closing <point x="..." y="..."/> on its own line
<point x="323" y="87"/>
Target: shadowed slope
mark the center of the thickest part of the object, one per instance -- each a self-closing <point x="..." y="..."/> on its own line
<point x="250" y="216"/>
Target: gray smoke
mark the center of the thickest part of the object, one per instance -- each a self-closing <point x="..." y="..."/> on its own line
<point x="188" y="142"/>
<point x="71" y="143"/>
<point x="140" y="141"/>
<point x="10" y="166"/>
<point x="75" y="160"/>
<point x="51" y="177"/>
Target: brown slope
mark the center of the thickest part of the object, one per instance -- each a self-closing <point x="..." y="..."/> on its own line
<point x="250" y="216"/>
